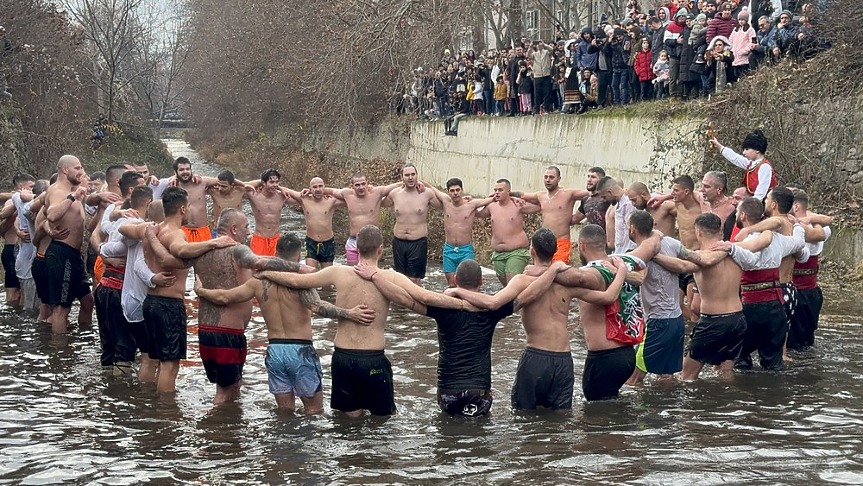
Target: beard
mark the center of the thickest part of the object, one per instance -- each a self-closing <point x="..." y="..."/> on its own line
<point x="582" y="258"/>
<point x="184" y="178"/>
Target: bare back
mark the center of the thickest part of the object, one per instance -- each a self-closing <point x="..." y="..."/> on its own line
<point x="284" y="313"/>
<point x="11" y="236"/>
<point x="507" y="227"/>
<point x="545" y="320"/>
<point x="411" y="209"/>
<point x="351" y="290"/>
<point x="166" y="235"/>
<point x="197" y="213"/>
<point x="218" y="269"/>
<point x="719" y="287"/>
<point x="267" y="209"/>
<point x="319" y="216"/>
<point x="593" y="317"/>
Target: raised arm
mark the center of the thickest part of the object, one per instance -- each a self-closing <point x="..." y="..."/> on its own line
<point x="384" y="191"/>
<point x="247" y="259"/>
<point x="531" y="197"/>
<point x="360" y="314"/>
<point x="324" y="278"/>
<point x="539" y="286"/>
<point x="242" y="293"/>
<point x="530" y="208"/>
<point x="675" y="265"/>
<point x="494" y="302"/>
<point x="163" y="256"/>
<point x="769" y="224"/>
<point x="180" y="248"/>
<point x="336" y="193"/>
<point x="611" y="293"/>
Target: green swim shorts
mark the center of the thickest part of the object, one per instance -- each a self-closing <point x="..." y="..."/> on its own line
<point x="512" y="261"/>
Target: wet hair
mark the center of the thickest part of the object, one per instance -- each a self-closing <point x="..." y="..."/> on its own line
<point x="604" y="183"/>
<point x="642" y="221"/>
<point x="226" y="176"/>
<point x="156" y="212"/>
<point x="708" y="223"/>
<point x="752" y="208"/>
<point x="140" y="195"/>
<point x="127" y="204"/>
<point x="97" y="176"/>
<point x="554" y="167"/>
<point x="720" y="177"/>
<point x="685" y="182"/>
<point x="468" y="274"/>
<point x="173" y="199"/>
<point x="113" y="173"/>
<point x="181" y="160"/>
<point x="270" y="173"/>
<point x="288" y="246"/>
<point x="369" y="239"/>
<point x="40" y="186"/>
<point x="505" y="181"/>
<point x="783" y="197"/>
<point x="407" y="165"/>
<point x="454" y="182"/>
<point x="227" y="217"/>
<point x="128" y="180"/>
<point x="596" y="170"/>
<point x="801" y="197"/>
<point x="593" y="236"/>
<point x="22" y="177"/>
<point x="544" y="244"/>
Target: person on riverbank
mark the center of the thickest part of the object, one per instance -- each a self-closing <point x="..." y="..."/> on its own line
<point x="464" y="333"/>
<point x="164" y="307"/>
<point x="362" y="377"/>
<point x="593" y="207"/>
<point x="759" y="177"/>
<point x="225" y="194"/>
<point x="556" y="206"/>
<point x="318" y="209"/>
<point x="459" y="215"/>
<point x="65" y="211"/>
<point x="410" y="233"/>
<point x="508" y="240"/>
<point x="364" y="208"/>
<point x="293" y="367"/>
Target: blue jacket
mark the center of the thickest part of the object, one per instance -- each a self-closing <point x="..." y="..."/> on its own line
<point x="585" y="59"/>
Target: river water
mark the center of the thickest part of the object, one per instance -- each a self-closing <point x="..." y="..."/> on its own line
<point x="65" y="420"/>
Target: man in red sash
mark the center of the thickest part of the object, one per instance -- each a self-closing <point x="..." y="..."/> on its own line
<point x="760" y="177"/>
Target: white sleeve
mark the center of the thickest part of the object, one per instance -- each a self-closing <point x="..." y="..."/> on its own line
<point x="735" y="158"/>
<point x="802" y="256"/>
<point x="791" y="244"/>
<point x="745" y="258"/>
<point x="143" y="272"/>
<point x="827" y="233"/>
<point x="114" y="249"/>
<point x="765" y="175"/>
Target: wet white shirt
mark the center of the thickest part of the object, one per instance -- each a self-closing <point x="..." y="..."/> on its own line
<point x="622" y="211"/>
<point x="138" y="277"/>
<point x="26" y="249"/>
<point x="771" y="257"/>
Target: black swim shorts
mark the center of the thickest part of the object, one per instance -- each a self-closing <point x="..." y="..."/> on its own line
<point x="543" y="379"/>
<point x="65" y="269"/>
<point x="223" y="352"/>
<point x="410" y="256"/>
<point x="717" y="338"/>
<point x="165" y="320"/>
<point x="362" y="380"/>
<point x="766" y="330"/>
<point x="606" y="371"/>
<point x="115" y="333"/>
<point x="684" y="280"/>
<point x="322" y="251"/>
<point x="39" y="271"/>
<point x="470" y="403"/>
<point x="10" y="252"/>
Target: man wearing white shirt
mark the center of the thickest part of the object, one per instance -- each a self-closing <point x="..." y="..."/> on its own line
<point x="611" y="191"/>
<point x="759" y="177"/>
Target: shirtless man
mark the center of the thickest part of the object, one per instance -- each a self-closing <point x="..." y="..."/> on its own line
<point x="164" y="307"/>
<point x="713" y="188"/>
<point x="508" y="240"/>
<point x="545" y="371"/>
<point x="10" y="247"/>
<point x="293" y="367"/>
<point x="267" y="207"/>
<point x="592" y="207"/>
<point x="364" y="208"/>
<point x="362" y="376"/>
<point x="196" y="223"/>
<point x="65" y="211"/>
<point x="621" y="207"/>
<point x="458" y="217"/>
<point x="319" y="209"/>
<point x="41" y="238"/>
<point x="717" y="338"/>
<point x="464" y="334"/>
<point x="225" y="194"/>
<point x="663" y="220"/>
<point x="556" y="205"/>
<point x="24" y="211"/>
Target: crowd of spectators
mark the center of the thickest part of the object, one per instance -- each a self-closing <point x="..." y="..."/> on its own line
<point x="682" y="50"/>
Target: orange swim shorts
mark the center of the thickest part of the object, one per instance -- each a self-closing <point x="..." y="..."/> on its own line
<point x="564" y="247"/>
<point x="194" y="235"/>
<point x="263" y="246"/>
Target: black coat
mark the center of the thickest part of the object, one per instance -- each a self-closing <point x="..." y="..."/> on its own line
<point x="687" y="57"/>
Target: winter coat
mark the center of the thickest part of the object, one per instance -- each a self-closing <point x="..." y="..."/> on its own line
<point x="583" y="58"/>
<point x="672" y="32"/>
<point x="620" y="54"/>
<point x="719" y="26"/>
<point x="642" y="66"/>
<point x="687" y="58"/>
<point x="740" y="41"/>
<point x="657" y="43"/>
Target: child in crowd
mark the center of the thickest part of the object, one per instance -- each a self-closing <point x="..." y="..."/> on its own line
<point x="741" y="38"/>
<point x="661" y="70"/>
<point x="499" y="96"/>
<point x="477" y="102"/>
<point x="698" y="41"/>
<point x="589" y="90"/>
<point x="524" y="80"/>
<point x="643" y="69"/>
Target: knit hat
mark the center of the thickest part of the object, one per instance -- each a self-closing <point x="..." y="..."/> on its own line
<point x="626" y="22"/>
<point x="681" y="13"/>
<point x="700" y="16"/>
<point x="743" y="15"/>
<point x="788" y="13"/>
<point x="756" y="141"/>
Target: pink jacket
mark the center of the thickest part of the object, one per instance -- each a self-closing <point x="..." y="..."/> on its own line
<point x="740" y="40"/>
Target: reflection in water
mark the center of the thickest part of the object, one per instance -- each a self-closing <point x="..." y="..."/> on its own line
<point x="65" y="420"/>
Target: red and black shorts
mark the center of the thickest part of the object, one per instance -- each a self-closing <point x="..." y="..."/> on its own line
<point x="223" y="352"/>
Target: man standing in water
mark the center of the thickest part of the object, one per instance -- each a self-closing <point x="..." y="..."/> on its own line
<point x="293" y="367"/>
<point x="364" y="208"/>
<point x="196" y="224"/>
<point x="267" y="207"/>
<point x="458" y="217"/>
<point x="410" y="233"/>
<point x="362" y="374"/>
<point x="508" y="239"/>
<point x="225" y="194"/>
<point x="10" y="247"/>
<point x="557" y="204"/>
<point x="319" y="209"/>
<point x="164" y="307"/>
<point x="65" y="266"/>
<point x="593" y="207"/>
<point x="613" y="193"/>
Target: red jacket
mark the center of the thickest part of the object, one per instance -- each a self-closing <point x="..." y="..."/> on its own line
<point x="719" y="26"/>
<point x="642" y="66"/>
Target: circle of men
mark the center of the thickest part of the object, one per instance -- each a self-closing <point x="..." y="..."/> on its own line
<point x="744" y="267"/>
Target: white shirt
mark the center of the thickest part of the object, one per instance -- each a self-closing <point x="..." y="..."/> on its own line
<point x="771" y="257"/>
<point x="137" y="277"/>
<point x="659" y="292"/>
<point x="765" y="171"/>
<point x="816" y="248"/>
<point x="622" y="211"/>
<point x="26" y="249"/>
<point x="158" y="190"/>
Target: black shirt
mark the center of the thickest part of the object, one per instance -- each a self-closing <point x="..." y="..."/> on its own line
<point x="464" y="362"/>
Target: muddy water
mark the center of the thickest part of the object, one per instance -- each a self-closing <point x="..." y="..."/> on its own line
<point x="64" y="420"/>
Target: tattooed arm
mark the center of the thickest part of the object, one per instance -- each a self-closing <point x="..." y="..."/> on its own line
<point x="360" y="314"/>
<point x="247" y="259"/>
